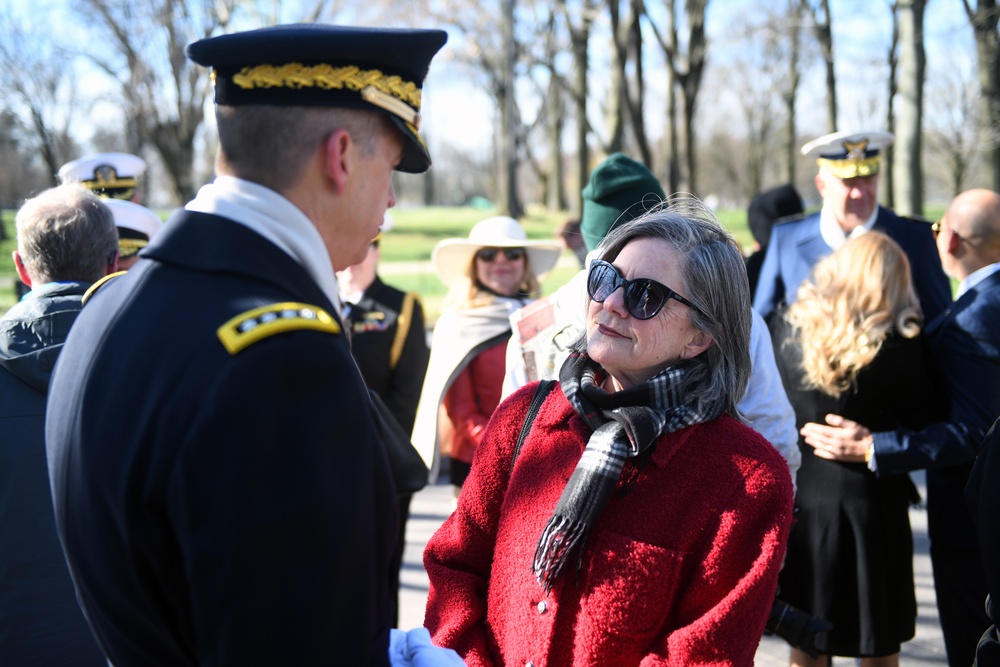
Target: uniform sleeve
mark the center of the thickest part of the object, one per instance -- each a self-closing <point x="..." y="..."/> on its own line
<point x="459" y="556"/>
<point x="282" y="505"/>
<point x="970" y="367"/>
<point x="408" y="377"/>
<point x="770" y="290"/>
<point x="765" y="404"/>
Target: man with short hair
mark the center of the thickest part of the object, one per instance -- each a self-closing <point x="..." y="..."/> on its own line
<point x="66" y="240"/>
<point x="965" y="339"/>
<point x="228" y="500"/>
<point x="847" y="181"/>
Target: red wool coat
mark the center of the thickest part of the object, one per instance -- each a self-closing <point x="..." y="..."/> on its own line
<point x="680" y="571"/>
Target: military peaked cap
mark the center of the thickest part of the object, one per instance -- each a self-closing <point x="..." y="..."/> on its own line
<point x="311" y="64"/>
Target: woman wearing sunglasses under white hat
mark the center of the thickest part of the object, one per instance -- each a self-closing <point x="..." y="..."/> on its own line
<point x="490" y="275"/>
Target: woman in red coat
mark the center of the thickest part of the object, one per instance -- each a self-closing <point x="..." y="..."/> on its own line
<point x="641" y="523"/>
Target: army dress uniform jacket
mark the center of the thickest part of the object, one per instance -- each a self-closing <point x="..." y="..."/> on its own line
<point x="797" y="244"/>
<point x="220" y="486"/>
<point x="390" y="345"/>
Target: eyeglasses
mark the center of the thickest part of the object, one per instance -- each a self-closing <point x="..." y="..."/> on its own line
<point x="643" y="297"/>
<point x="938" y="227"/>
<point x="490" y="254"/>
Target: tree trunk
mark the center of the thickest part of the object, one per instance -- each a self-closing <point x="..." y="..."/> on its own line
<point x="824" y="35"/>
<point x="614" y="118"/>
<point x="906" y="168"/>
<point x="791" y="94"/>
<point x="555" y="190"/>
<point x="581" y="38"/>
<point x="510" y="203"/>
<point x="984" y="27"/>
<point x="637" y="103"/>
<point x="887" y="194"/>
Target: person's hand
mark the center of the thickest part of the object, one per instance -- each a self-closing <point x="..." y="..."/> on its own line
<point x="414" y="649"/>
<point x="839" y="440"/>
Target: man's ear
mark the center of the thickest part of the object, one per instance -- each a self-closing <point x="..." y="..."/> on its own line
<point x="113" y="263"/>
<point x="22" y="272"/>
<point x="338" y="158"/>
<point x="820" y="184"/>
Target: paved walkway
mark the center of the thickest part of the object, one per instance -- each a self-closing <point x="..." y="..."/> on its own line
<point x="431" y="506"/>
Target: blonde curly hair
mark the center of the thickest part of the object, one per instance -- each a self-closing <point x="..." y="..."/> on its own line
<point x="853" y="299"/>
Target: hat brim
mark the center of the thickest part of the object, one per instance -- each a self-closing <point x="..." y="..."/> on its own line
<point x="451" y="257"/>
<point x="416" y="158"/>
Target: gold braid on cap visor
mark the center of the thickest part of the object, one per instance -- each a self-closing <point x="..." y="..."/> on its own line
<point x="392" y="93"/>
<point x="848" y="168"/>
<point x="129" y="247"/>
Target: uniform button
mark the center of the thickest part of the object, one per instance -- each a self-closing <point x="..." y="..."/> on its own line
<point x="529" y="664"/>
<point x="542" y="607"/>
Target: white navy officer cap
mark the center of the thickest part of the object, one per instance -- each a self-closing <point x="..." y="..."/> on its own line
<point x="849" y="154"/>
<point x="309" y="64"/>
<point x="137" y="225"/>
<point x="109" y="175"/>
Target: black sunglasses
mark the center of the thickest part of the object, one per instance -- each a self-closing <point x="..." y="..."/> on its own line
<point x="643" y="297"/>
<point x="490" y="254"/>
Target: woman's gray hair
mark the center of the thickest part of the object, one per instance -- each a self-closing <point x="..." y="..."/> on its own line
<point x="715" y="280"/>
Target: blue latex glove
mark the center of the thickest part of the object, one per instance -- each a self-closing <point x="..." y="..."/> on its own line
<point x="414" y="649"/>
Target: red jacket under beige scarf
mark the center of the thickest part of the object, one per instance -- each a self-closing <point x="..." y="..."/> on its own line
<point x="680" y="571"/>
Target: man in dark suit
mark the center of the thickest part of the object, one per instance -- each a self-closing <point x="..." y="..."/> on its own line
<point x="848" y="183"/>
<point x="389" y="343"/>
<point x="228" y="499"/>
<point x="66" y="240"/>
<point x="965" y="339"/>
<point x="983" y="496"/>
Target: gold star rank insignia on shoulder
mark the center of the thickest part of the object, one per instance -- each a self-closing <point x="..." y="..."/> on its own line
<point x="259" y="323"/>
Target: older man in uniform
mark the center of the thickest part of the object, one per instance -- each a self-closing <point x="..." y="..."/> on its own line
<point x="229" y="500"/>
<point x="848" y="183"/>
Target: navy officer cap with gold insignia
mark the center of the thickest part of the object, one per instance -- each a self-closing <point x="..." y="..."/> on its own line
<point x="309" y="64"/>
<point x="110" y="175"/>
<point x="849" y="154"/>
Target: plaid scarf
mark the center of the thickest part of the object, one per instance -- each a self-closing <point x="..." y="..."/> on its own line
<point x="626" y="424"/>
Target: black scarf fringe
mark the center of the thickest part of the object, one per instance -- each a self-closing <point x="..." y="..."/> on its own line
<point x="562" y="536"/>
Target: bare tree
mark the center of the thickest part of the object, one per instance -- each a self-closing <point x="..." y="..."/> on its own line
<point x="906" y="172"/>
<point x="951" y="133"/>
<point x="579" y="20"/>
<point x="888" y="193"/>
<point x="163" y="93"/>
<point x="985" y="19"/>
<point x="790" y="89"/>
<point x="40" y="87"/>
<point x="685" y="68"/>
<point x="821" y="20"/>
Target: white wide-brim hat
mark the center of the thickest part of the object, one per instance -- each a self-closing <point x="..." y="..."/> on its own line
<point x="452" y="257"/>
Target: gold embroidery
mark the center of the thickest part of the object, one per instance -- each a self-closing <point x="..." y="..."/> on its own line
<point x="297" y="75"/>
<point x="255" y="325"/>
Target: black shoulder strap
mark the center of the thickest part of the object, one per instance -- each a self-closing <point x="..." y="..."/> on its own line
<point x="541" y="391"/>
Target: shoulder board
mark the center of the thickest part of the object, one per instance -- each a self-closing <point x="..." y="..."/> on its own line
<point x="254" y="325"/>
<point x="99" y="284"/>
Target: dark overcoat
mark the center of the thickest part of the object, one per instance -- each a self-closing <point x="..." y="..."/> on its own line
<point x="220" y="486"/>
